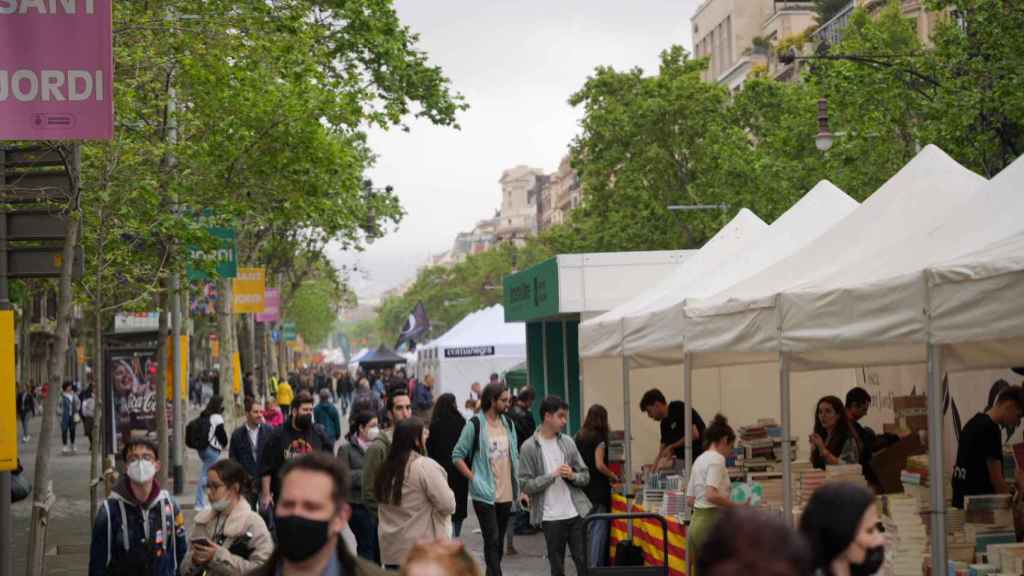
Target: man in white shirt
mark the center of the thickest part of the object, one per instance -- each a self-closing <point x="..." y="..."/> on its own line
<point x="553" y="474"/>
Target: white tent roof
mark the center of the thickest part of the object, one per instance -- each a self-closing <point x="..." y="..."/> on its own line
<point x="741" y="324"/>
<point x="958" y="283"/>
<point x="603" y="335"/>
<point x="485" y="327"/>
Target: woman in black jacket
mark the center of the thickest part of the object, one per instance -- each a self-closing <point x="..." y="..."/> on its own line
<point x="445" y="429"/>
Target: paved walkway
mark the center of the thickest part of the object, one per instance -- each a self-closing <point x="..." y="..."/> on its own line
<point x="67" y="549"/>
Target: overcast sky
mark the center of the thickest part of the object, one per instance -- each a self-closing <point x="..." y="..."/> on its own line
<point x="516" y="62"/>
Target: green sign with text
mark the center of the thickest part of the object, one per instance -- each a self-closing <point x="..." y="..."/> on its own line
<point x="225" y="255"/>
<point x="532" y="293"/>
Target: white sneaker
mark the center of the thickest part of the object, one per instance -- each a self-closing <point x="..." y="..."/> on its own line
<point x="74" y="450"/>
<point x="65" y="450"/>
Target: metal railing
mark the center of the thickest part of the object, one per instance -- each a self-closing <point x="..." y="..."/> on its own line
<point x="832" y="31"/>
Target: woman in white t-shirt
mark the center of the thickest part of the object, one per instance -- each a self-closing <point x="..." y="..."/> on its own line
<point x="709" y="486"/>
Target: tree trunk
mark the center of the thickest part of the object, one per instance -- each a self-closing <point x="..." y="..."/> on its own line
<point x="43" y="494"/>
<point x="161" y="383"/>
<point x="96" y="456"/>
<point x="26" y="336"/>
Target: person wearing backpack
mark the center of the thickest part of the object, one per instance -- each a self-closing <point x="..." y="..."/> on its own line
<point x="488" y="443"/>
<point x="210" y="443"/>
<point x="139" y="530"/>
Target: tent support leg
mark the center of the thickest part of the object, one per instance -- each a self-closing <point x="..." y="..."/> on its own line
<point x="787" y="456"/>
<point x="627" y="439"/>
<point x="688" y="421"/>
<point x="935" y="459"/>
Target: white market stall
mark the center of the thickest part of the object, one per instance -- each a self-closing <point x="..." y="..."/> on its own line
<point x="649" y="324"/>
<point x="861" y="297"/>
<point x="471" y="351"/>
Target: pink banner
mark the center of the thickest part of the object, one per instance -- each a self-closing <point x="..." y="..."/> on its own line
<point x="271" y="304"/>
<point x="56" y="70"/>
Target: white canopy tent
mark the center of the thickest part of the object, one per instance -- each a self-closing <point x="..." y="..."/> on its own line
<point x="604" y="334"/>
<point x="479" y="345"/>
<point x="803" y="309"/>
<point x="741" y="249"/>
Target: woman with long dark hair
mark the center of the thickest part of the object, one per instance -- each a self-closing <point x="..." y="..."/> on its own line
<point x="840" y="523"/>
<point x="833" y="441"/>
<point x="445" y="427"/>
<point x="592" y="443"/>
<point x="415" y="502"/>
<point x="362" y="430"/>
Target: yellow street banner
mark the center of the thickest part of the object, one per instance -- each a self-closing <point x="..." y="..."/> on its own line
<point x="214" y="346"/>
<point x="8" y="395"/>
<point x="236" y="369"/>
<point x="183" y="386"/>
<point x="249" y="291"/>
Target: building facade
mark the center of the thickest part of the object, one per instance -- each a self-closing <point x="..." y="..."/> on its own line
<point x="741" y="37"/>
<point x="560" y="195"/>
<point x="521" y="189"/>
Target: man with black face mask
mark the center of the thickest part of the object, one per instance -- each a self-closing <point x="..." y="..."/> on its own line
<point x="310" y="516"/>
<point x="296" y="437"/>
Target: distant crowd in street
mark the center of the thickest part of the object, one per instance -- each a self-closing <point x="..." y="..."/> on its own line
<point x="287" y="493"/>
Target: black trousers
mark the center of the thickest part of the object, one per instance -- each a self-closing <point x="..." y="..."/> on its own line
<point x="493" y="525"/>
<point x="559" y="533"/>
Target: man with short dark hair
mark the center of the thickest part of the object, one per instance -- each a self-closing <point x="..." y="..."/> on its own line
<point x="553" y="474"/>
<point x="979" y="457"/>
<point x="489" y="445"/>
<point x="139" y="529"/>
<point x="249" y="440"/>
<point x="296" y="437"/>
<point x="399" y="408"/>
<point x="673" y="427"/>
<point x="858" y="402"/>
<point x="310" y="516"/>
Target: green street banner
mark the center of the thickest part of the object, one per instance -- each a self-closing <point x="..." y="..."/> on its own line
<point x="225" y="255"/>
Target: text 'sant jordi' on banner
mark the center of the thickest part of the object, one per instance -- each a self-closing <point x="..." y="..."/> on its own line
<point x="56" y="70"/>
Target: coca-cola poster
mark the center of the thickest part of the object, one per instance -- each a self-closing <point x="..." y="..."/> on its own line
<point x="133" y="379"/>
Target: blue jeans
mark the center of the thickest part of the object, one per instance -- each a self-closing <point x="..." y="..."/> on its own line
<point x="457" y="526"/>
<point x="209" y="456"/>
<point x="597" y="539"/>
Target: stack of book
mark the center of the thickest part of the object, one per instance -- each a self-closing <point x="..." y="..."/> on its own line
<point x="988" y="521"/>
<point x="760" y="447"/>
<point x="673" y="503"/>
<point x="616" y="446"/>
<point x="810" y="480"/>
<point x="845" y="473"/>
<point x="906" y="534"/>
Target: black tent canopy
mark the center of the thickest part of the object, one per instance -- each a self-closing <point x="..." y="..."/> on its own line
<point x="382" y="357"/>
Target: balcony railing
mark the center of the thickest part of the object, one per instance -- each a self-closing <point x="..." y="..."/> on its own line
<point x="832" y="31"/>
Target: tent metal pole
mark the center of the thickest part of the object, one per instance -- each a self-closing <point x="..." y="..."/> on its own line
<point x="935" y="459"/>
<point x="787" y="456"/>
<point x="627" y="440"/>
<point x="688" y="420"/>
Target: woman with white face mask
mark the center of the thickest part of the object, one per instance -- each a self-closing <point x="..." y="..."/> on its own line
<point x="362" y="430"/>
<point x="228" y="538"/>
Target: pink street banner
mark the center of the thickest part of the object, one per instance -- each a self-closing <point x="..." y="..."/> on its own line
<point x="271" y="306"/>
<point x="56" y="70"/>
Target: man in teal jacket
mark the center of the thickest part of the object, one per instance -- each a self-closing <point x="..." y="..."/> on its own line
<point x="488" y="442"/>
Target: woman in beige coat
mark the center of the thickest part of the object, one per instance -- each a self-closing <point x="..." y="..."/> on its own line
<point x="416" y="503"/>
<point x="228" y="539"/>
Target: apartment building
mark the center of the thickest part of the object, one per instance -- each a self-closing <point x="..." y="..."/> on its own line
<point x="520" y="202"/>
<point x="739" y="37"/>
<point x="560" y="195"/>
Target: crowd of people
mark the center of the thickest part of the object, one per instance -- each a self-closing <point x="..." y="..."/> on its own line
<point x="295" y="496"/>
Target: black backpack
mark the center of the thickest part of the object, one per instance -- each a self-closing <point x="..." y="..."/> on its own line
<point x="197" y="433"/>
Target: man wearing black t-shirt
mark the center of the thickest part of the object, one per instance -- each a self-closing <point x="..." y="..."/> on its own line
<point x="297" y="436"/>
<point x="673" y="427"/>
<point x="979" y="457"/>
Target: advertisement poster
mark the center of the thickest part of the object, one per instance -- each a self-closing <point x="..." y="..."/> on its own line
<point x="249" y="291"/>
<point x="56" y="70"/>
<point x="271" y="307"/>
<point x="132" y="379"/>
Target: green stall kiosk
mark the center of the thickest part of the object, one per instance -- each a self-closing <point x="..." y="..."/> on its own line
<point x="552" y="298"/>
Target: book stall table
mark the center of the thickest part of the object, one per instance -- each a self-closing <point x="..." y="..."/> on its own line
<point x="648" y="535"/>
